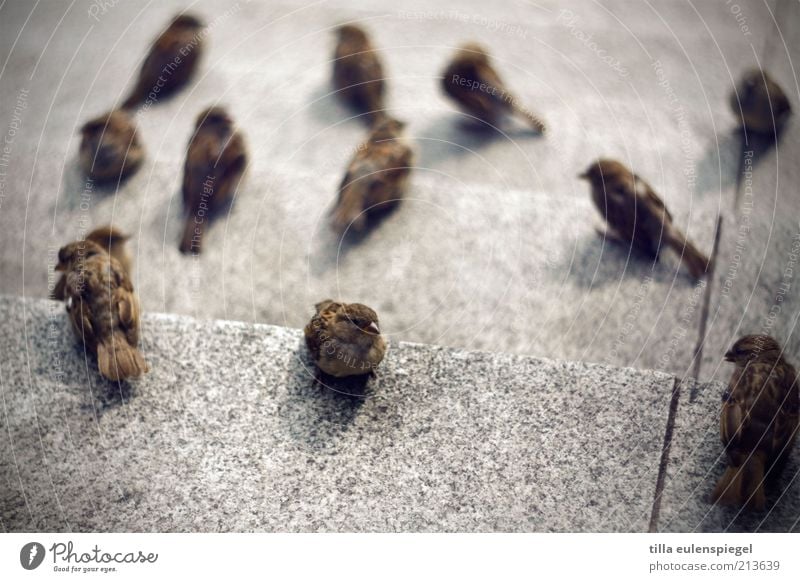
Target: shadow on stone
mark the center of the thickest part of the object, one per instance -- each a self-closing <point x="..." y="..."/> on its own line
<point x="318" y="408"/>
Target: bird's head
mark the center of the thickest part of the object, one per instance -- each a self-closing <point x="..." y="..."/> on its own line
<point x="215" y="116"/>
<point x="386" y="128"/>
<point x="751" y="347"/>
<point x="75" y="253"/>
<point x="474" y="51"/>
<point x="356" y="324"/>
<point x="351" y="33"/>
<point x="601" y="170"/>
<point x="188" y="22"/>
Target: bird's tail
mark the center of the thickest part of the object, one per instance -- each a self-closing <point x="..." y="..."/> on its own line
<point x="742" y="486"/>
<point x="696" y="262"/>
<point x="118" y="360"/>
<point x="349" y="212"/>
<point x="191" y="241"/>
<point x="535" y="122"/>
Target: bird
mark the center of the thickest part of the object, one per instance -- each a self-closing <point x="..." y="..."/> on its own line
<point x="471" y="81"/>
<point x="759" y="420"/>
<point x="636" y="215"/>
<point x="113" y="241"/>
<point x="216" y="159"/>
<point x="376" y="177"/>
<point x="760" y="104"/>
<point x="170" y="62"/>
<point x="110" y="147"/>
<point x="344" y="339"/>
<point x="358" y="73"/>
<point x="102" y="308"/>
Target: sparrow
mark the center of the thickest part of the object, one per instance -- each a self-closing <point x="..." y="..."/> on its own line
<point x="215" y="162"/>
<point x="471" y="81"/>
<point x="102" y="308"/>
<point x="636" y="215"/>
<point x="376" y="177"/>
<point x="759" y="420"/>
<point x="171" y="61"/>
<point x="110" y="148"/>
<point x="358" y="73"/>
<point x="113" y="241"/>
<point x="344" y="339"/>
<point x="760" y="104"/>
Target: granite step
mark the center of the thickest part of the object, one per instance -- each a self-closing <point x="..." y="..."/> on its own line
<point x="229" y="432"/>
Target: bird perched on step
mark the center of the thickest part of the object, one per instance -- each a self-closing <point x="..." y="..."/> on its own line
<point x="636" y="215"/>
<point x="216" y="159"/>
<point x="358" y="73"/>
<point x="344" y="339"/>
<point x="759" y="421"/>
<point x="760" y="104"/>
<point x="376" y="177"/>
<point x="112" y="240"/>
<point x="110" y="147"/>
<point x="102" y="308"/>
<point x="171" y="61"/>
<point x="471" y="81"/>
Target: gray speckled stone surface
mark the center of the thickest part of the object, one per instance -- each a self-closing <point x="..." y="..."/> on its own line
<point x="697" y="461"/>
<point x="229" y="432"/>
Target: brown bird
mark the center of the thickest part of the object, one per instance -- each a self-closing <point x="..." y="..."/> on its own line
<point x="112" y="240"/>
<point x="471" y="81"/>
<point x="759" y="420"/>
<point x="171" y="62"/>
<point x="358" y="73"/>
<point x="376" y="177"/>
<point x="110" y="148"/>
<point x="636" y="215"/>
<point x="215" y="162"/>
<point x="102" y="308"/>
<point x="760" y="103"/>
<point x="344" y="339"/>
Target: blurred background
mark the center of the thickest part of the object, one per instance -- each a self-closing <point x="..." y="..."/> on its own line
<point x="495" y="247"/>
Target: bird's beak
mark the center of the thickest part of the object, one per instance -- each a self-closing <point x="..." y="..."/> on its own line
<point x="584" y="176"/>
<point x="729" y="356"/>
<point x="61" y="267"/>
<point x="373" y="328"/>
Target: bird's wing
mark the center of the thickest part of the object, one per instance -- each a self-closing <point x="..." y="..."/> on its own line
<point x="648" y="194"/>
<point x="204" y="150"/>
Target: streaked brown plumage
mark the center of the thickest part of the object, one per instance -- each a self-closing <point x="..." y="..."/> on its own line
<point x="102" y="308"/>
<point x="759" y="420"/>
<point x="344" y="339"/>
<point x="376" y="177"/>
<point x="358" y="73"/>
<point x="471" y="81"/>
<point x="110" y="147"/>
<point x="171" y="61"/>
<point x="636" y="214"/>
<point x="760" y="104"/>
<point x="215" y="162"/>
<point x="112" y="240"/>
